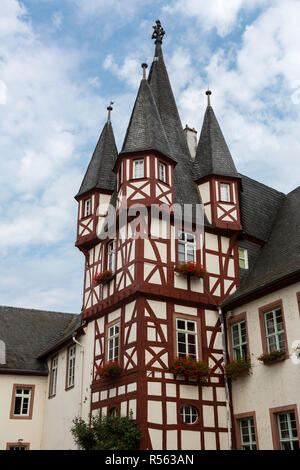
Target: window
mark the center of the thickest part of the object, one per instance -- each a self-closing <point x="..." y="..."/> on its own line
<point x="17" y="446"/>
<point x="162" y="172"/>
<point x="186" y="338"/>
<point x="186" y="247"/>
<point x="247" y="433"/>
<point x="71" y="366"/>
<point x="111" y="252"/>
<point x="87" y="207"/>
<point x="189" y="414"/>
<point x="138" y="168"/>
<point x="275" y="336"/>
<point x="225" y="192"/>
<point x="288" y="434"/>
<point x="22" y="401"/>
<point x="113" y="412"/>
<point x="243" y="258"/>
<point x="53" y="377"/>
<point x="239" y="340"/>
<point x="113" y="342"/>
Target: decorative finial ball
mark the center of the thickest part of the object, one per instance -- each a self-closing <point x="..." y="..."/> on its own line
<point x="208" y="92"/>
<point x="144" y="65"/>
<point x="109" y="108"/>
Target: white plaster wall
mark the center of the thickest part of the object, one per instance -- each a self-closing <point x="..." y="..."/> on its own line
<point x="29" y="430"/>
<point x="65" y="405"/>
<point x="274" y="385"/>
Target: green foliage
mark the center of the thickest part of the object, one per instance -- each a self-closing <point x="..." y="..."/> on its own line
<point x="271" y="357"/>
<point x="189" y="367"/>
<point x="107" y="433"/>
<point x="238" y="368"/>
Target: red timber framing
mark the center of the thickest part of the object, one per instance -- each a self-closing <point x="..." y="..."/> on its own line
<point x="146" y="387"/>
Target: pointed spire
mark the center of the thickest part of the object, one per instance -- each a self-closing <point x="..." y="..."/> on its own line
<point x="145" y="130"/>
<point x="99" y="174"/>
<point x="213" y="156"/>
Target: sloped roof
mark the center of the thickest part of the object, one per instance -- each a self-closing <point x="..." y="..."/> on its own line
<point x="28" y="332"/>
<point x="280" y="257"/>
<point x="259" y="207"/>
<point x="99" y="174"/>
<point x="145" y="130"/>
<point x="185" y="191"/>
<point x="213" y="156"/>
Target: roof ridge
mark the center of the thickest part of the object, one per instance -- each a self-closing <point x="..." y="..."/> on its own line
<point x="263" y="184"/>
<point x="39" y="310"/>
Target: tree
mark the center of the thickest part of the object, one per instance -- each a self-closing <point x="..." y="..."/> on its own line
<point x="107" y="433"/>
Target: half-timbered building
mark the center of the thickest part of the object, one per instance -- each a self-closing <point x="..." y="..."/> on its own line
<point x="146" y="313"/>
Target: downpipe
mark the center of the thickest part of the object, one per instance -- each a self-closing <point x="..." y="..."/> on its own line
<point x="227" y="398"/>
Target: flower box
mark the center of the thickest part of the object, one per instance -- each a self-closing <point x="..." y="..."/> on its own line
<point x="190" y="268"/>
<point x="188" y="367"/>
<point x="272" y="357"/>
<point x="103" y="277"/>
<point x="110" y="369"/>
<point x="238" y="368"/>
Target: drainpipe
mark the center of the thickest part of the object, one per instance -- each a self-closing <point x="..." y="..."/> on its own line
<point x="81" y="382"/>
<point x="228" y="418"/>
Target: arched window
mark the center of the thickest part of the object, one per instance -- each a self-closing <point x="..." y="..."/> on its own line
<point x="189" y="414"/>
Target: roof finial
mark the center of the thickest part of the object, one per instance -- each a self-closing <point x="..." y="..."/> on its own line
<point x="109" y="109"/>
<point x="144" y="66"/>
<point x="158" y="33"/>
<point x="208" y="93"/>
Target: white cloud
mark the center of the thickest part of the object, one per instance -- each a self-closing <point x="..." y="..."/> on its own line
<point x="3" y="92"/>
<point x="57" y="19"/>
<point x="219" y="14"/>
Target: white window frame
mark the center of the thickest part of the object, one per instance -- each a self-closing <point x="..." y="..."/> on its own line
<point x="53" y="376"/>
<point x="113" y="342"/>
<point x="138" y="168"/>
<point x="186" y="333"/>
<point x="278" y="333"/>
<point x="87" y="207"/>
<point x="243" y="258"/>
<point x="190" y="412"/>
<point x="71" y="366"/>
<point x="188" y="242"/>
<point x="111" y="255"/>
<point x="162" y="172"/>
<point x="238" y="348"/>
<point x="25" y="401"/>
<point x="290" y="439"/>
<point x="249" y="427"/>
<point x="225" y="192"/>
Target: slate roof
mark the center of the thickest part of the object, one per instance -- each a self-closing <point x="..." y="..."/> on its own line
<point x="145" y="130"/>
<point x="185" y="191"/>
<point x="280" y="256"/>
<point x="213" y="156"/>
<point x="99" y="174"/>
<point x="27" y="333"/>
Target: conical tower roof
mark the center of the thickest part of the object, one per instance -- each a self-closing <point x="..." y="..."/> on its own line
<point x="99" y="174"/>
<point x="213" y="156"/>
<point x="145" y="130"/>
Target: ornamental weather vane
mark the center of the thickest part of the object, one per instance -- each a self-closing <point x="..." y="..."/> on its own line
<point x="158" y="33"/>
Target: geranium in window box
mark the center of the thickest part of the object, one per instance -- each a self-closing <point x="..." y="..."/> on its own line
<point x="272" y="357"/>
<point x="190" y="368"/>
<point x="238" y="368"/>
<point x="103" y="277"/>
<point x="110" y="369"/>
<point x="191" y="268"/>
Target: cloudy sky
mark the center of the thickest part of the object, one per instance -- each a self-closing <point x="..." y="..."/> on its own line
<point x="63" y="61"/>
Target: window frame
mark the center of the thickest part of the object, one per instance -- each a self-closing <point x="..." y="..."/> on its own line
<point x="237" y="419"/>
<point x="182" y="316"/>
<point x="186" y="243"/>
<point x="17" y="444"/>
<point x="30" y="404"/>
<point x="50" y="394"/>
<point x="266" y="309"/>
<point x="107" y="337"/>
<point x="165" y="180"/>
<point x="188" y="404"/>
<point x="134" y="177"/>
<point x="69" y="359"/>
<point x="274" y="412"/>
<point x="84" y="202"/>
<point x="245" y="258"/>
<point x="111" y="253"/>
<point x="230" y="192"/>
<point x="242" y="317"/>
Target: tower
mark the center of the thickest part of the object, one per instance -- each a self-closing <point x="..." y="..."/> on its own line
<point x="146" y="313"/>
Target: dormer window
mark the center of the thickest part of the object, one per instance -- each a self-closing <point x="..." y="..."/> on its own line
<point x="138" y="168"/>
<point x="243" y="258"/>
<point x="87" y="207"/>
<point x="225" y="192"/>
<point x="162" y="172"/>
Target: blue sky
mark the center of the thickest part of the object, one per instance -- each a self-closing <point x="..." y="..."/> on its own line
<point x="63" y="61"/>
